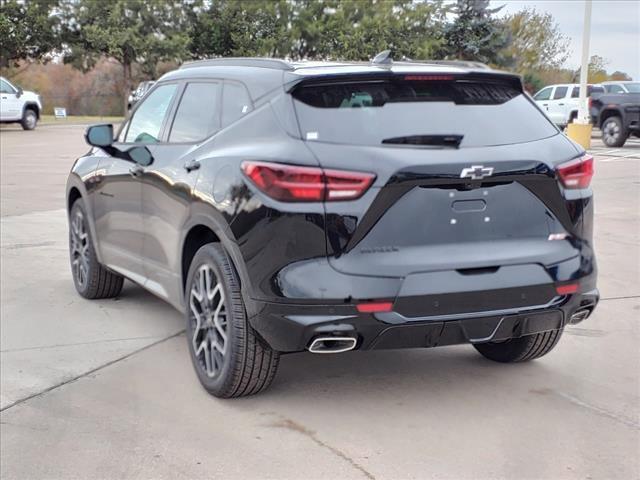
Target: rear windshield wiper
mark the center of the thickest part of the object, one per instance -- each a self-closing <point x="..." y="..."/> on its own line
<point x="452" y="141"/>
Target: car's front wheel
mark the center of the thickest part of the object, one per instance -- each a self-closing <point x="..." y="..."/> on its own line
<point x="29" y="119"/>
<point x="228" y="356"/>
<point x="92" y="280"/>
<point x="520" y="349"/>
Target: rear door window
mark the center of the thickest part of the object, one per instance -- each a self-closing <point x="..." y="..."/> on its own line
<point x="235" y="102"/>
<point x="198" y="114"/>
<point x="373" y="112"/>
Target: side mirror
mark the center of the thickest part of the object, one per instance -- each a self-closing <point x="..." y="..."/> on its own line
<point x="19" y="92"/>
<point x="99" y="135"/>
<point x="140" y="155"/>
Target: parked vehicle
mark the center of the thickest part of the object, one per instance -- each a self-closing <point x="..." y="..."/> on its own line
<point x="560" y="102"/>
<point x="329" y="207"/>
<point x="138" y="93"/>
<point x="19" y="106"/>
<point x="621" y="87"/>
<point x="617" y="115"/>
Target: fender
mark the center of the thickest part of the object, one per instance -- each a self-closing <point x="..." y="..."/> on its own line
<point x="202" y="213"/>
<point x="31" y="104"/>
<point x="88" y="167"/>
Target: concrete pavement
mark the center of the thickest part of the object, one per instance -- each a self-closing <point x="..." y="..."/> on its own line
<point x="105" y="389"/>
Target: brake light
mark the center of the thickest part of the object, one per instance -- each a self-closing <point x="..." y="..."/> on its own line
<point x="292" y="183"/>
<point x="567" y="288"/>
<point x="576" y="173"/>
<point x="374" y="307"/>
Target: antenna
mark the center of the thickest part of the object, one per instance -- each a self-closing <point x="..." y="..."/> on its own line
<point x="383" y="58"/>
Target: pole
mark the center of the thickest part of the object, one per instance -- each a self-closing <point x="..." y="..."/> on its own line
<point x="583" y="108"/>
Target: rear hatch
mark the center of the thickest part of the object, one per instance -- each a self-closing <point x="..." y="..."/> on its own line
<point x="465" y="179"/>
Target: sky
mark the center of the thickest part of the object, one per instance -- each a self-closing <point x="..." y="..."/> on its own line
<point x="615" y="29"/>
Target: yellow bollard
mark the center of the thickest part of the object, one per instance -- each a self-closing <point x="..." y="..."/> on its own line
<point x="580" y="133"/>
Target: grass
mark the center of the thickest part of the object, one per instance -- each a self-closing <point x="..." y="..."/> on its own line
<point x="77" y="119"/>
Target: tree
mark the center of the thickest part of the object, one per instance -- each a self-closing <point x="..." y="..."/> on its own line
<point x="536" y="42"/>
<point x="322" y="30"/>
<point x="28" y="29"/>
<point x="618" y="75"/>
<point x="129" y="31"/>
<point x="475" y="34"/>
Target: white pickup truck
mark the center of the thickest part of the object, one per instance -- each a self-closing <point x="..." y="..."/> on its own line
<point x="19" y="106"/>
<point x="560" y="102"/>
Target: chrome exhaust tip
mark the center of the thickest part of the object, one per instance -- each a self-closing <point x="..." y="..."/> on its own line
<point x="332" y="344"/>
<point x="579" y="316"/>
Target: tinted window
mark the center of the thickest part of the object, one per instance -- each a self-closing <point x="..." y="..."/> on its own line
<point x="560" y="92"/>
<point x="366" y="113"/>
<point x="147" y="119"/>
<point x="615" y="89"/>
<point x="198" y="114"/>
<point x="544" y="94"/>
<point x="5" y="87"/>
<point x="235" y="103"/>
<point x="633" y="87"/>
<point x="575" y="93"/>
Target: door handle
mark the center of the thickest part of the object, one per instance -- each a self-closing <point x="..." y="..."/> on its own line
<point x="561" y="104"/>
<point x="191" y="165"/>
<point x="136" y="170"/>
<point x="545" y="104"/>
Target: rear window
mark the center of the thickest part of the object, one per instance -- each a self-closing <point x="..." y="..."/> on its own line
<point x="369" y="112"/>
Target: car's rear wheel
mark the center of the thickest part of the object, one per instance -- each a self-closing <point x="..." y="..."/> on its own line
<point x="92" y="280"/>
<point x="520" y="349"/>
<point x="229" y="358"/>
<point x="29" y="119"/>
<point x="613" y="134"/>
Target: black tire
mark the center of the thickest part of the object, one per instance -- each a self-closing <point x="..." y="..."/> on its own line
<point x="246" y="365"/>
<point x="29" y="119"/>
<point x="91" y="279"/>
<point x="520" y="349"/>
<point x="613" y="133"/>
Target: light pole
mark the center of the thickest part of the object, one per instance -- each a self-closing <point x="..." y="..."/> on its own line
<point x="580" y="130"/>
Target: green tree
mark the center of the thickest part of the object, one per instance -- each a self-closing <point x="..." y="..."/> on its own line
<point x="535" y="41"/>
<point x="476" y="34"/>
<point x="28" y="29"/>
<point x="129" y="31"/>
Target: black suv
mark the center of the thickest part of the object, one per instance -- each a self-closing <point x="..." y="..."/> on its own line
<point x="328" y="207"/>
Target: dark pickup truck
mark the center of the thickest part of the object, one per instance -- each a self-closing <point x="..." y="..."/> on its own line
<point x="617" y="115"/>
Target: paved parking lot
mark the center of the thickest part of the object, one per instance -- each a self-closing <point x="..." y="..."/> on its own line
<point x="105" y="389"/>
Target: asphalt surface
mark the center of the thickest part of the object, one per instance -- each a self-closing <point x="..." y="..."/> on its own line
<point x="105" y="389"/>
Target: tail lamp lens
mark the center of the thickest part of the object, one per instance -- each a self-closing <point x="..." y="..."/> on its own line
<point x="291" y="183"/>
<point x="576" y="173"/>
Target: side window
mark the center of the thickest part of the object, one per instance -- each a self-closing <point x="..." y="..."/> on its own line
<point x="147" y="120"/>
<point x="543" y="94"/>
<point x="616" y="89"/>
<point x="560" y="92"/>
<point x="235" y="103"/>
<point x="198" y="114"/>
<point x="575" y="93"/>
<point x="5" y="87"/>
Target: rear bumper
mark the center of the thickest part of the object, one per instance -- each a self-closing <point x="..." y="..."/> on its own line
<point x="292" y="328"/>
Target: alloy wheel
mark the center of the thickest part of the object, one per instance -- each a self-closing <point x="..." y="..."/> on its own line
<point x="79" y="246"/>
<point x="209" y="323"/>
<point x="610" y="132"/>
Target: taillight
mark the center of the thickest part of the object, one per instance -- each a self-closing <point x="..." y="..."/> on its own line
<point x="291" y="183"/>
<point x="576" y="173"/>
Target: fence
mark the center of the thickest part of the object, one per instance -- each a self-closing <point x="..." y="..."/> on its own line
<point x="99" y="104"/>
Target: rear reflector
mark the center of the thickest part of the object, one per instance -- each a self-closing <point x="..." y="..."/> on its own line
<point x="374" y="307"/>
<point x="567" y="289"/>
<point x="292" y="183"/>
<point x="576" y="173"/>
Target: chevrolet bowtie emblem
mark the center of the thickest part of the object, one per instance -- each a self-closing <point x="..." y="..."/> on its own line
<point x="476" y="172"/>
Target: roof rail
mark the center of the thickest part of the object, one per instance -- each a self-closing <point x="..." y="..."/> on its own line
<point x="273" y="63"/>
<point x="456" y="63"/>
